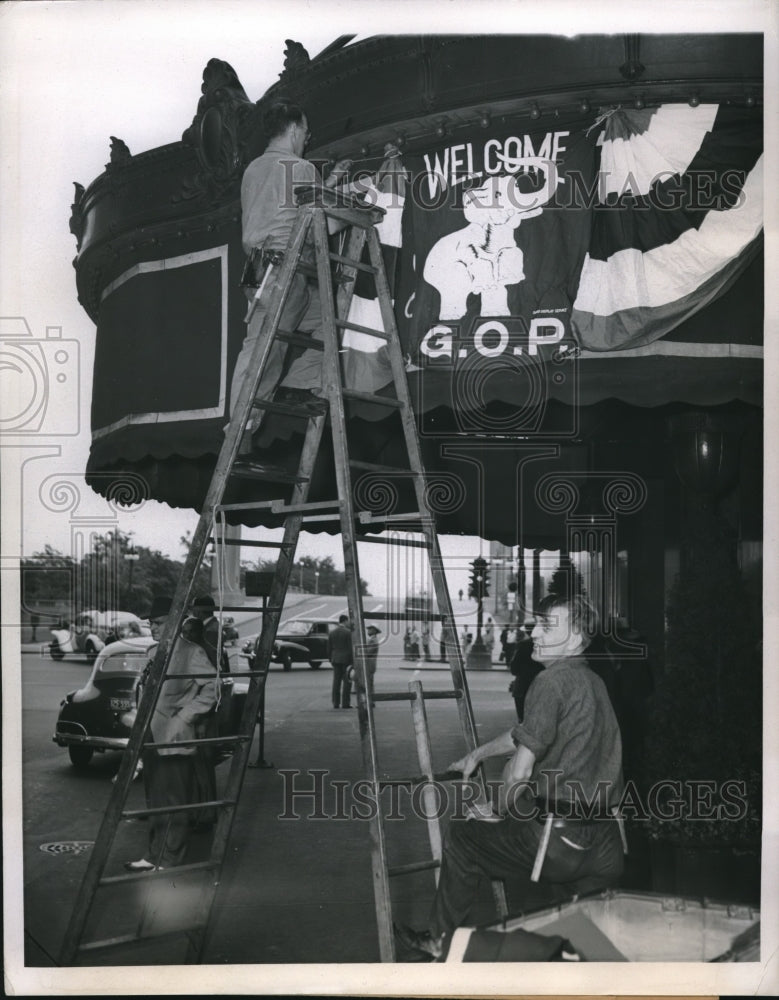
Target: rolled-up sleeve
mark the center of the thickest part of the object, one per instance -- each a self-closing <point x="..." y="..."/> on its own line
<point x="538" y="729"/>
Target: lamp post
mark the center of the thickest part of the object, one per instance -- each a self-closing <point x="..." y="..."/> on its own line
<point x="316" y="581"/>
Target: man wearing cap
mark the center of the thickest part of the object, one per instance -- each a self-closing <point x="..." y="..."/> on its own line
<point x="203" y="608"/>
<point x="169" y="773"/>
<point x="565" y="752"/>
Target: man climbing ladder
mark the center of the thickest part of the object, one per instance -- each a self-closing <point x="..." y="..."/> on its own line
<point x="268" y="213"/>
<point x="201" y="879"/>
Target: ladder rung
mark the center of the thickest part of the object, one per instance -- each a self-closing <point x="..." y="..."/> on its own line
<point x="254" y="609"/>
<point x="189" y="807"/>
<point x="405" y="696"/>
<point x="302" y="508"/>
<point x="421" y="779"/>
<point x="369" y="397"/>
<point x="199" y="866"/>
<point x="415" y="866"/>
<point x="413" y="543"/>
<point x="366" y="517"/>
<point x="206" y="741"/>
<point x="307" y="409"/>
<point x="248" y="469"/>
<point x="402" y="616"/>
<point x="346" y="324"/>
<point x="299" y="340"/>
<point x="376" y="467"/>
<point x="368" y="268"/>
<point x="249" y="542"/>
<point x="134" y="938"/>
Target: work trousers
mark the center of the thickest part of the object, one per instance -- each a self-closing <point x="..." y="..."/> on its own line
<point x="302" y="314"/>
<point x="169" y="780"/>
<point x="342" y="686"/>
<point x="475" y="849"/>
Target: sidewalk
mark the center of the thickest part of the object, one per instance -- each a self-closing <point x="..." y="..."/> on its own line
<point x="300" y="889"/>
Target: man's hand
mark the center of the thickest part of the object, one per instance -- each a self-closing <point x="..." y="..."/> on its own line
<point x="466" y="764"/>
<point x="338" y="173"/>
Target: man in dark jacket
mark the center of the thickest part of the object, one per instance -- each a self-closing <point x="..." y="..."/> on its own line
<point x="339" y="652"/>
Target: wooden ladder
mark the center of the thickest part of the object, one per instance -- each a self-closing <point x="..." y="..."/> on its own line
<point x="332" y="270"/>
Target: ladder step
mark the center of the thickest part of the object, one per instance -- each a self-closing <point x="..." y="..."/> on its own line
<point x="255" y="609"/>
<point x="376" y="467"/>
<point x="345" y="324"/>
<point x="299" y="340"/>
<point x="199" y="866"/>
<point x="412" y="543"/>
<point x="402" y="616"/>
<point x="247" y="468"/>
<point x="366" y="517"/>
<point x="405" y="696"/>
<point x="415" y="866"/>
<point x="369" y="397"/>
<point x="421" y="779"/>
<point x="368" y="268"/>
<point x="189" y="807"/>
<point x="134" y="938"/>
<point x="248" y="542"/>
<point x="308" y="408"/>
<point x="206" y="741"/>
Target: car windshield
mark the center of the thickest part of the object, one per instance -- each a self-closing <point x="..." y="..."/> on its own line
<point x="295" y="628"/>
<point x="125" y="662"/>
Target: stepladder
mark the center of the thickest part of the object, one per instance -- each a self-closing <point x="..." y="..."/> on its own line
<point x="152" y="911"/>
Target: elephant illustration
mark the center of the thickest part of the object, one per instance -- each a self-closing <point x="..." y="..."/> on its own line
<point x="483" y="257"/>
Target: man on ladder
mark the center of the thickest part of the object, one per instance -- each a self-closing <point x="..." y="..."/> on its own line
<point x="269" y="212"/>
<point x="566" y="752"/>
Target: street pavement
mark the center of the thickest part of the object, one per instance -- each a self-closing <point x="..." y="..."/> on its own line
<point x="294" y="889"/>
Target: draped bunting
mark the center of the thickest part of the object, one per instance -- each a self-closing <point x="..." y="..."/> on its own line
<point x="679" y="217"/>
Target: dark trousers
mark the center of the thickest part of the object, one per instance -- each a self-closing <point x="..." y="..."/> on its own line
<point x="169" y="780"/>
<point x="474" y="850"/>
<point x="342" y="686"/>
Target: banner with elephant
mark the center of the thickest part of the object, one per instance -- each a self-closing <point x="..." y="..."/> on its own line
<point x="499" y="226"/>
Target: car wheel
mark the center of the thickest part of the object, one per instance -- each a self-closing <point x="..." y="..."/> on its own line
<point x="315" y="664"/>
<point x="55" y="652"/>
<point x="286" y="660"/>
<point x="91" y="652"/>
<point x="80" y="756"/>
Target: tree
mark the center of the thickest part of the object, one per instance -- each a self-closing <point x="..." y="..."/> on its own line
<point x="304" y="575"/>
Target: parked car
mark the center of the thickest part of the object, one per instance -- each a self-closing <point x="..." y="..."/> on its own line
<point x="99" y="716"/>
<point x="90" y="631"/>
<point x="299" y="640"/>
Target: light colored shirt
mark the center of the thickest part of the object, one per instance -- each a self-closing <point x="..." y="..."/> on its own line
<point x="268" y="208"/>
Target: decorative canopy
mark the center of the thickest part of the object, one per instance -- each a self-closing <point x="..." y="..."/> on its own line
<point x="569" y="223"/>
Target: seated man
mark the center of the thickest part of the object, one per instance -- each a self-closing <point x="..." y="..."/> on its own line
<point x="565" y="753"/>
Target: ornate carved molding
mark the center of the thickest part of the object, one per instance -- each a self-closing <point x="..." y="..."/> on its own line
<point x="632" y="67"/>
<point x="296" y="61"/>
<point x="77" y="213"/>
<point x="218" y="133"/>
<point x="120" y="154"/>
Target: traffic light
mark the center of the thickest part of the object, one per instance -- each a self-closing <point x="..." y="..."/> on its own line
<point x="479" y="584"/>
